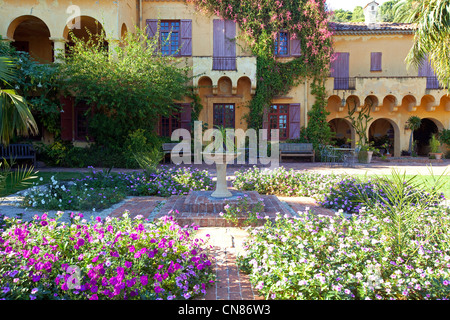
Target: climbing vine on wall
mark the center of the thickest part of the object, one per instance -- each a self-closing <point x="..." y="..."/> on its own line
<point x="260" y="22"/>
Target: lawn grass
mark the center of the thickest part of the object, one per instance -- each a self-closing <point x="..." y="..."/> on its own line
<point x="46" y="178"/>
<point x="426" y="180"/>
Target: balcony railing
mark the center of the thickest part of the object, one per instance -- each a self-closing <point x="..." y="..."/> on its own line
<point x="345" y="83"/>
<point x="224" y="63"/>
<point x="433" y="83"/>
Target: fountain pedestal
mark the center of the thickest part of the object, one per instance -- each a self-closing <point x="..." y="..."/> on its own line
<point x="221" y="159"/>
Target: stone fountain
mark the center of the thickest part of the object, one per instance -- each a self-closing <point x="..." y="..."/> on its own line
<point x="221" y="160"/>
<point x="203" y="208"/>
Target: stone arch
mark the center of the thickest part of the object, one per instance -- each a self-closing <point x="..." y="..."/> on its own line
<point x="31" y="34"/>
<point x="335" y="104"/>
<point x="428" y="102"/>
<point x="205" y="86"/>
<point x="445" y="102"/>
<point x="123" y="30"/>
<point x="353" y="101"/>
<point x="385" y="129"/>
<point x="343" y="131"/>
<point x="373" y="101"/>
<point x="409" y="102"/>
<point x="244" y="86"/>
<point x="86" y="23"/>
<point x="224" y="86"/>
<point x="428" y="127"/>
<point x="391" y="102"/>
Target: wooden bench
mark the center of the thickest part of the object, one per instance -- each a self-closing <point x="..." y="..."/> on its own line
<point x="168" y="147"/>
<point x="18" y="152"/>
<point x="297" y="150"/>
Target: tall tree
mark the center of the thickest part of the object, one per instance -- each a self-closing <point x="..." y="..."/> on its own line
<point x="387" y="11"/>
<point x="358" y="14"/>
<point x="432" y="37"/>
<point x="341" y="15"/>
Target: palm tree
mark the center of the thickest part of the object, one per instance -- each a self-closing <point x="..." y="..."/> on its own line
<point x="15" y="116"/>
<point x="413" y="123"/>
<point x="432" y="38"/>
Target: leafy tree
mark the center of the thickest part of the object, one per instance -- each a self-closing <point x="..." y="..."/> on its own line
<point x="432" y="37"/>
<point x="387" y="10"/>
<point x="358" y="14"/>
<point x="341" y="15"/>
<point x="15" y="116"/>
<point x="127" y="87"/>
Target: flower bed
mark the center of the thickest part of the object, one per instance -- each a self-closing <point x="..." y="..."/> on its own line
<point x="349" y="195"/>
<point x="101" y="189"/>
<point x="111" y="259"/>
<point x="335" y="258"/>
<point x="284" y="182"/>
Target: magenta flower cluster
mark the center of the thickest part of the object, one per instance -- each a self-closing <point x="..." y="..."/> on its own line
<point x="103" y="259"/>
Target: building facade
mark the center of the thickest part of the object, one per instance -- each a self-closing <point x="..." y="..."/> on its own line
<point x="369" y="67"/>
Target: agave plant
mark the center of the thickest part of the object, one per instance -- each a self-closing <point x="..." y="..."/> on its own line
<point x="15" y="116"/>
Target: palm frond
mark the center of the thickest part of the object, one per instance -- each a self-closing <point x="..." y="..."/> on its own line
<point x="15" y="117"/>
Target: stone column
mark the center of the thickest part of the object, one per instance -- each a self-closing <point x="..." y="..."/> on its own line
<point x="59" y="49"/>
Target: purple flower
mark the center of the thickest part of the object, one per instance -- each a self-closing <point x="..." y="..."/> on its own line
<point x="128" y="264"/>
<point x="93" y="297"/>
<point x="35" y="250"/>
<point x="144" y="280"/>
<point x="80" y="242"/>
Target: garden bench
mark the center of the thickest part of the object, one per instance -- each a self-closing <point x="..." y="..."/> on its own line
<point x="168" y="147"/>
<point x="297" y="150"/>
<point x="18" y="152"/>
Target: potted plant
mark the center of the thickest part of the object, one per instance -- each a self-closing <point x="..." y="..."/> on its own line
<point x="435" y="147"/>
<point x="366" y="152"/>
<point x="387" y="146"/>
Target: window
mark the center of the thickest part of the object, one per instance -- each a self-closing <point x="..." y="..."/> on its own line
<point x="169" y="124"/>
<point x="375" y="61"/>
<point x="170" y="37"/>
<point x="281" y="44"/>
<point x="81" y="122"/>
<point x="278" y="119"/>
<point x="224" y="115"/>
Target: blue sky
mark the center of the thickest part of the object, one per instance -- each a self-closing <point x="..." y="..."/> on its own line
<point x="350" y="4"/>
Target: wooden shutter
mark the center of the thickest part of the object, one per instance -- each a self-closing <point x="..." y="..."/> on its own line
<point x="296" y="49"/>
<point x="375" y="61"/>
<point x="186" y="37"/>
<point x="230" y="45"/>
<point x="186" y="114"/>
<point x="294" y="121"/>
<point x="340" y="70"/>
<point x="66" y="118"/>
<point x="152" y="27"/>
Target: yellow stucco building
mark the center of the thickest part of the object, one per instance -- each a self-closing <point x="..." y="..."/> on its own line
<point x="369" y="67"/>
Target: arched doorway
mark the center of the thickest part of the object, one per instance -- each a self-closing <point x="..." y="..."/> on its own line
<point x="382" y="132"/>
<point x="344" y="132"/>
<point x="422" y="136"/>
<point x="32" y="35"/>
<point x="85" y="27"/>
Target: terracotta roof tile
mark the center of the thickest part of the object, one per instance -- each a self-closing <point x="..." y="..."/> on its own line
<point x="362" y="28"/>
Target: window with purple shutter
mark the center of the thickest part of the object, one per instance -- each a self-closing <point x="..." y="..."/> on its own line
<point x="375" y="61"/>
<point x="186" y="37"/>
<point x="224" y="45"/>
<point x="296" y="49"/>
<point x="340" y="71"/>
<point x="426" y="70"/>
<point x="294" y="121"/>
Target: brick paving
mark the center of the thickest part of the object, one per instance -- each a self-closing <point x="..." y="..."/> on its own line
<point x="225" y="242"/>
